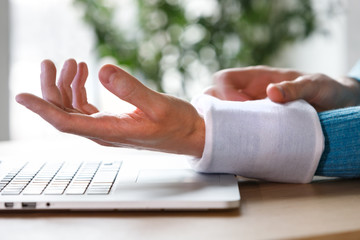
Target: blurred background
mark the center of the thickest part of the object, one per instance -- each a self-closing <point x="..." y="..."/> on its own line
<point x="172" y="46"/>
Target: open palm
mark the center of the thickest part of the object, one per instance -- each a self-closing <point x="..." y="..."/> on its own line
<point x="160" y="122"/>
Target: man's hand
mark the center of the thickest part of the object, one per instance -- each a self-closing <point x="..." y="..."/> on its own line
<point x="160" y="122"/>
<point x="283" y="85"/>
<point x="250" y="83"/>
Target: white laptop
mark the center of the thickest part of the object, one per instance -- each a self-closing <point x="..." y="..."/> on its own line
<point x="96" y="182"/>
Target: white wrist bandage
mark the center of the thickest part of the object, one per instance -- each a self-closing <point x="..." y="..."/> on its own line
<point x="260" y="139"/>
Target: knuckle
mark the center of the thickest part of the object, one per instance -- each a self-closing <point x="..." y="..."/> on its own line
<point x="320" y="79"/>
<point x="309" y="82"/>
<point x="300" y="88"/>
<point x="303" y="82"/>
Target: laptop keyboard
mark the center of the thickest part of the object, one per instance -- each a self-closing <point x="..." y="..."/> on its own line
<point x="57" y="178"/>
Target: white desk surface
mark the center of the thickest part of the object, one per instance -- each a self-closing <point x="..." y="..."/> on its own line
<point x="324" y="209"/>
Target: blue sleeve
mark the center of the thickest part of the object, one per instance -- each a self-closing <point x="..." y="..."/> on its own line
<point x="341" y="156"/>
<point x="355" y="71"/>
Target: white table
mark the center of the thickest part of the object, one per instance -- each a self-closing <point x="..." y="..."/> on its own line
<point x="324" y="209"/>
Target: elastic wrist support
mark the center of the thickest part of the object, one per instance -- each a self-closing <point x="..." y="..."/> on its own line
<point x="260" y="139"/>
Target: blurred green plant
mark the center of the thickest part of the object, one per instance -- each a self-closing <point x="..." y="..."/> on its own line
<point x="180" y="35"/>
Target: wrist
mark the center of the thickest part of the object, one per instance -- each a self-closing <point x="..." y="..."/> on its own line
<point x="196" y="139"/>
<point x="193" y="142"/>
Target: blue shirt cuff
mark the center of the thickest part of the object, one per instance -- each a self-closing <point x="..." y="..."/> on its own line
<point x="355" y="71"/>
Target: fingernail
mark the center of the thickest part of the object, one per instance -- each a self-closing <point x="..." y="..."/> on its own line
<point x="18" y="99"/>
<point x="107" y="73"/>
<point x="281" y="91"/>
<point x="44" y="64"/>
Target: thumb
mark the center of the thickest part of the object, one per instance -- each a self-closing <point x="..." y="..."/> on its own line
<point x="300" y="88"/>
<point x="128" y="88"/>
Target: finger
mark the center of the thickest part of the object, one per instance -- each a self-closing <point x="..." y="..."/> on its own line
<point x="50" y="91"/>
<point x="301" y="88"/>
<point x="43" y="108"/>
<point x="67" y="75"/>
<point x="237" y="77"/>
<point x="74" y="123"/>
<point x="79" y="92"/>
<point x="242" y="84"/>
<point x="131" y="90"/>
<point x="229" y="94"/>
